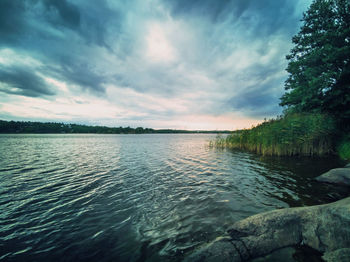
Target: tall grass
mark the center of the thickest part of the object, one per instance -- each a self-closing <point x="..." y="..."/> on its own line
<point x="294" y="134"/>
<point x="344" y="148"/>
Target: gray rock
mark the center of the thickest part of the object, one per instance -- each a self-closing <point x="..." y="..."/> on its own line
<point x="347" y="166"/>
<point x="336" y="176"/>
<point x="325" y="228"/>
<point x="339" y="255"/>
<point x="221" y="249"/>
<point x="286" y="253"/>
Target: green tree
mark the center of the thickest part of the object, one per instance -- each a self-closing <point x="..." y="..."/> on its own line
<point x="319" y="63"/>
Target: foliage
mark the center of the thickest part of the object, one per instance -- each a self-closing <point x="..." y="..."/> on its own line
<point x="294" y="134"/>
<point x="319" y="63"/>
<point x="344" y="148"/>
<point x="317" y="97"/>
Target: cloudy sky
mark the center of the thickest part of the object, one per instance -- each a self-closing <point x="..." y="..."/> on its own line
<point x="184" y="64"/>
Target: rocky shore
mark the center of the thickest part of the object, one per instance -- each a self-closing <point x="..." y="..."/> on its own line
<point x="324" y="228"/>
<point x="339" y="176"/>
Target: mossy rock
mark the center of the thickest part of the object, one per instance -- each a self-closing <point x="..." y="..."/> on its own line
<point x="324" y="228"/>
<point x="339" y="176"/>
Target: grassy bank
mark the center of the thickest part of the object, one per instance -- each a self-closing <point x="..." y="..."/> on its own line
<point x="294" y="134"/>
<point x="343" y="148"/>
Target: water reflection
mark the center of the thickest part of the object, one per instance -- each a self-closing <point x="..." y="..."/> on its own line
<point x="137" y="197"/>
<point x="297" y="175"/>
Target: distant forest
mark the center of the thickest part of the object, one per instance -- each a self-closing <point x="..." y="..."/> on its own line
<point x="23" y="127"/>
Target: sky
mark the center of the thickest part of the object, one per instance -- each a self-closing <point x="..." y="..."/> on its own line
<point x="181" y="64"/>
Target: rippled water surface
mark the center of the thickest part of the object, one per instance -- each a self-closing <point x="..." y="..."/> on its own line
<point x="137" y="197"/>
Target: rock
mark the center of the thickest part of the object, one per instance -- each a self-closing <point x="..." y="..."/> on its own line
<point x="325" y="228"/>
<point x="220" y="249"/>
<point x="292" y="254"/>
<point x="286" y="253"/>
<point x="347" y="166"/>
<point x="336" y="176"/>
<point x="340" y="255"/>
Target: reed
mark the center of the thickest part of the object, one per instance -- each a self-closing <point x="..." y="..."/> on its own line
<point x="294" y="134"/>
<point x="344" y="148"/>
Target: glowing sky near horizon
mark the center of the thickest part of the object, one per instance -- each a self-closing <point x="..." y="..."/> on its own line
<point x="184" y="64"/>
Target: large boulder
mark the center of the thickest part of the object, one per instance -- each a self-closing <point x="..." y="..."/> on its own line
<point x="339" y="255"/>
<point x="325" y="228"/>
<point x="339" y="176"/>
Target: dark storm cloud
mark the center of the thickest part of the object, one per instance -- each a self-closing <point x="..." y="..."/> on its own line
<point x="17" y="17"/>
<point x="58" y="13"/>
<point x="209" y="8"/>
<point x="268" y="17"/>
<point x="257" y="101"/>
<point x="258" y="17"/>
<point x="256" y="104"/>
<point x="23" y="81"/>
<point x="46" y="29"/>
<point x="209" y="56"/>
<point x="98" y="20"/>
<point x="62" y="12"/>
<point x="82" y="75"/>
<point x="25" y="20"/>
<point x="11" y="20"/>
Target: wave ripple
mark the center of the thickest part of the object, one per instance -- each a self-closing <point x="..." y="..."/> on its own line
<point x="134" y="197"/>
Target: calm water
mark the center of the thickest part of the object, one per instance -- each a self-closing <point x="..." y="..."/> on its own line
<point x="137" y="197"/>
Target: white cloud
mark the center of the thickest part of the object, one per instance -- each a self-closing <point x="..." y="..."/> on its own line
<point x="142" y="63"/>
<point x="159" y="48"/>
<point x="10" y="57"/>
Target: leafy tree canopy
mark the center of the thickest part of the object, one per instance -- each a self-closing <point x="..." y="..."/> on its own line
<point x="319" y="63"/>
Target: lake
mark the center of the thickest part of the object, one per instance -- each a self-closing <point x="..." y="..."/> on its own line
<point x="149" y="197"/>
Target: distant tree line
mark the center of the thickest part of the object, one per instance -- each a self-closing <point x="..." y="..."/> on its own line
<point x="27" y="127"/>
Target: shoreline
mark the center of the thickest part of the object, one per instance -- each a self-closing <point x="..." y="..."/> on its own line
<point x="321" y="231"/>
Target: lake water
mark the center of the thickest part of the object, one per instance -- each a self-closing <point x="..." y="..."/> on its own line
<point x="137" y="197"/>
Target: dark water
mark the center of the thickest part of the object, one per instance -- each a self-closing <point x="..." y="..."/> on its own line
<point x="137" y="197"/>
